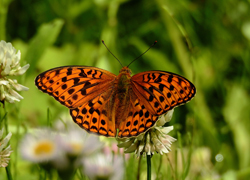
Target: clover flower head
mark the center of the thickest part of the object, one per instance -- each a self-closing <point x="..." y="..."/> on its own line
<point x="154" y="140"/>
<point x="5" y="150"/>
<point x="10" y="66"/>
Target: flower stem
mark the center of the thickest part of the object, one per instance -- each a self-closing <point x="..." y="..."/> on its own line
<point x="148" y="167"/>
<point x="9" y="176"/>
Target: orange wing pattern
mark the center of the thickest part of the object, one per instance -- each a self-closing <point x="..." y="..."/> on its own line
<point x="95" y="115"/>
<point x="138" y="120"/>
<point x="101" y="102"/>
<point x="161" y="91"/>
<point x="86" y="91"/>
<point x="153" y="94"/>
<point x="73" y="86"/>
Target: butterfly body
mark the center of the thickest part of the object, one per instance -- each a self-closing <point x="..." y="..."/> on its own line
<point x="122" y="91"/>
<point x="102" y="103"/>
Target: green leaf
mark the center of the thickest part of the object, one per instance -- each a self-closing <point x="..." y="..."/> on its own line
<point x="45" y="37"/>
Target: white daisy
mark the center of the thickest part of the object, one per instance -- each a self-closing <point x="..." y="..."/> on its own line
<point x="103" y="166"/>
<point x="10" y="66"/>
<point x="5" y="150"/>
<point x="40" y="146"/>
<point x="79" y="142"/>
<point x="154" y="140"/>
<point x="75" y="141"/>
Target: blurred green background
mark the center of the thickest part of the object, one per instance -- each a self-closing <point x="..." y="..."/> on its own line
<point x="205" y="41"/>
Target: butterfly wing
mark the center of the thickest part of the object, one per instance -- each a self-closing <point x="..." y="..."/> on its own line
<point x="138" y="119"/>
<point x="86" y="91"/>
<point x="153" y="94"/>
<point x="96" y="115"/>
<point x="89" y="92"/>
<point x="74" y="86"/>
<point x="160" y="91"/>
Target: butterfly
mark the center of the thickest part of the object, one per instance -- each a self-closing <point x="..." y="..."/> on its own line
<point x="115" y="106"/>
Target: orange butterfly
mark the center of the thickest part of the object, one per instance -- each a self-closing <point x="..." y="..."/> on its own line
<point x="103" y="103"/>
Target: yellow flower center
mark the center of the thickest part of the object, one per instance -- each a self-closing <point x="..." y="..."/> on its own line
<point x="76" y="147"/>
<point x="44" y="147"/>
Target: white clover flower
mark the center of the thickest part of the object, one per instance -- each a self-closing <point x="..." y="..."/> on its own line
<point x="103" y="166"/>
<point x="40" y="146"/>
<point x="154" y="140"/>
<point x="4" y="151"/>
<point x="10" y="66"/>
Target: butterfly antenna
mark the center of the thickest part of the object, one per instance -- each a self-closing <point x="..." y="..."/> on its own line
<point x="142" y="53"/>
<point x="111" y="53"/>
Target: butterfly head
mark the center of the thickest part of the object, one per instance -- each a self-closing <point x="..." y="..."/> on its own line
<point x="125" y="70"/>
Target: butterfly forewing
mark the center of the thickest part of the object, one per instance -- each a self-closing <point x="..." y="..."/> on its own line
<point x="73" y="86"/>
<point x="160" y="91"/>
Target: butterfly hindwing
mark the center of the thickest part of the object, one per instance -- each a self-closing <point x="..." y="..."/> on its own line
<point x="160" y="91"/>
<point x="138" y="119"/>
<point x="95" y="115"/>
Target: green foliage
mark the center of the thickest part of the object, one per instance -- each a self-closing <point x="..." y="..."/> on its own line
<point x="206" y="41"/>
